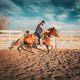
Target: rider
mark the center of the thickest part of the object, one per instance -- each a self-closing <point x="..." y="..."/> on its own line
<point x="39" y="30"/>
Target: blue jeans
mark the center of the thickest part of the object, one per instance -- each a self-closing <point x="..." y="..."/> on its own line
<point x="38" y="34"/>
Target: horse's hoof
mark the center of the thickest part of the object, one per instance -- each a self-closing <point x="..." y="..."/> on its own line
<point x="48" y="52"/>
<point x="19" y="50"/>
<point x="33" y="51"/>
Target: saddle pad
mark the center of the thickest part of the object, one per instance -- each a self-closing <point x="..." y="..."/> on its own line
<point x="34" y="36"/>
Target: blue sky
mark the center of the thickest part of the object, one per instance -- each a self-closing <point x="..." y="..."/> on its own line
<point x="62" y="14"/>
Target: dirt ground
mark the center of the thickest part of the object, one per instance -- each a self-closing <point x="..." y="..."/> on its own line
<point x="60" y="64"/>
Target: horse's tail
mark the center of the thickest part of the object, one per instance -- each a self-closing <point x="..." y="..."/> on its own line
<point x="18" y="42"/>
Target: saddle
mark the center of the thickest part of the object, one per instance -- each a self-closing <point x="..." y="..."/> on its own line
<point x="34" y="36"/>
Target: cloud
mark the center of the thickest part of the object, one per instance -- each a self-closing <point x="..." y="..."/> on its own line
<point x="62" y="16"/>
<point x="49" y="16"/>
<point x="77" y="16"/>
<point x="66" y="10"/>
<point x="77" y="4"/>
<point x="35" y="8"/>
<point x="56" y="24"/>
<point x="26" y="23"/>
<point x="62" y="26"/>
<point x="9" y="7"/>
<point x="29" y="24"/>
<point x="78" y="21"/>
<point x="30" y="12"/>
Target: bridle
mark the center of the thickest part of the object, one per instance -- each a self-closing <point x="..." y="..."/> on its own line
<point x="47" y="37"/>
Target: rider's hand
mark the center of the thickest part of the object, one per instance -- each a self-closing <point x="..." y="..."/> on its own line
<point x="44" y="31"/>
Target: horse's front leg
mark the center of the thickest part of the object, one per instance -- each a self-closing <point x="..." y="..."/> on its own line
<point x="47" y="48"/>
<point x="50" y="46"/>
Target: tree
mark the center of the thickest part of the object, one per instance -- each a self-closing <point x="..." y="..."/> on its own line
<point x="4" y="24"/>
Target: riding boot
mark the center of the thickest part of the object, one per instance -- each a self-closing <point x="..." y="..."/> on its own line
<point x="41" y="44"/>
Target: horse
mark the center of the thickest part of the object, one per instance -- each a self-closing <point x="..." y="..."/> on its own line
<point x="29" y="40"/>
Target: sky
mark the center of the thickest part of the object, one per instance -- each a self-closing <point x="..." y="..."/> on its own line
<point x="64" y="15"/>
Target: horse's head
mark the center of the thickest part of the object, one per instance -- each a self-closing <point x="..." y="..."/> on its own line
<point x="54" y="32"/>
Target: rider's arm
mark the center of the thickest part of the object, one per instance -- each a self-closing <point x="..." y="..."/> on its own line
<point x="42" y="28"/>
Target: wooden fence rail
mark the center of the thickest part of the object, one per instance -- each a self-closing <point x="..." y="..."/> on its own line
<point x="67" y="39"/>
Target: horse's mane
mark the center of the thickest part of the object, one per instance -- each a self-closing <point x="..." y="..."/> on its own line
<point x="52" y="28"/>
<point x="49" y="29"/>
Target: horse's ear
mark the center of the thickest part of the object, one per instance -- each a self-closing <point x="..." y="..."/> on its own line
<point x="50" y="28"/>
<point x="53" y="27"/>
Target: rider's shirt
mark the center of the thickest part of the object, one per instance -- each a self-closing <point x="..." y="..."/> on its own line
<point x="39" y="29"/>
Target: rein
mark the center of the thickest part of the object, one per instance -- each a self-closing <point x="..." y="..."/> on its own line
<point x="47" y="37"/>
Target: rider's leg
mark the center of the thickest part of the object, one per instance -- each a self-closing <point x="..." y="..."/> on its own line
<point x="41" y="43"/>
<point x="40" y="37"/>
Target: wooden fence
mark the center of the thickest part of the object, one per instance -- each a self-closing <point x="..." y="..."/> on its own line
<point x="7" y="37"/>
<point x="67" y="39"/>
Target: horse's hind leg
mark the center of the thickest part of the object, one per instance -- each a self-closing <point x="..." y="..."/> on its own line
<point x="47" y="49"/>
<point x="18" y="49"/>
<point x="30" y="45"/>
<point x="22" y="47"/>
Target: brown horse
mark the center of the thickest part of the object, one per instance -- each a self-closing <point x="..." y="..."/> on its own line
<point x="46" y="40"/>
